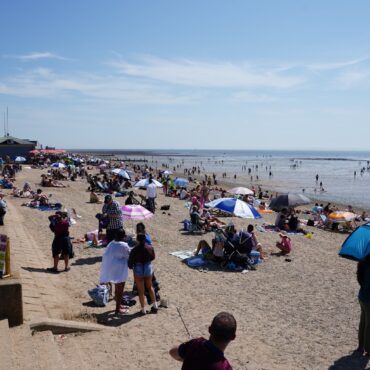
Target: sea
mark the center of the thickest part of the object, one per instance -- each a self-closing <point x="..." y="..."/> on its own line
<point x="344" y="176"/>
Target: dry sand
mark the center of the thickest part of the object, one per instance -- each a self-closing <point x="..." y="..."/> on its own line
<point x="301" y="314"/>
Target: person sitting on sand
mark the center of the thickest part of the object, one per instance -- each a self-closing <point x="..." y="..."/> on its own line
<point x="114" y="267"/>
<point x="130" y="200"/>
<point x="94" y="198"/>
<point x="256" y="245"/>
<point x="41" y="198"/>
<point x="285" y="244"/>
<point x="201" y="353"/>
<point x="280" y="220"/>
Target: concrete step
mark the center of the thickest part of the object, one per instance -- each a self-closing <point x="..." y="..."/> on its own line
<point x="24" y="356"/>
<point x="6" y="357"/>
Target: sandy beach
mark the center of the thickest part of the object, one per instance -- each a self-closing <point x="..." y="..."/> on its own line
<point x="299" y="314"/>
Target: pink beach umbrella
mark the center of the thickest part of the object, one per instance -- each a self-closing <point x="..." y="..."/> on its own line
<point x="135" y="212"/>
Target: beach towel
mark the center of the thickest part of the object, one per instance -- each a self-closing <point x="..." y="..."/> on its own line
<point x="182" y="254"/>
<point x="50" y="207"/>
<point x="101" y="244"/>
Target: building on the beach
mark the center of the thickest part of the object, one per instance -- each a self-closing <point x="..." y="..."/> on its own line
<point x="12" y="146"/>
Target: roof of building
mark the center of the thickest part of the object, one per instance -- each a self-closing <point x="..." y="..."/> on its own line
<point x="14" y="140"/>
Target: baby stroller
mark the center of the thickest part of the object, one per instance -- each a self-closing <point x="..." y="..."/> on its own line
<point x="238" y="251"/>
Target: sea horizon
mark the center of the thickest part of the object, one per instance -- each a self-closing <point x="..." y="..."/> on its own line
<point x="344" y="176"/>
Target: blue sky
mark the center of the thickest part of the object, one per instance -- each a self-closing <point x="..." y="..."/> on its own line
<point x="187" y="74"/>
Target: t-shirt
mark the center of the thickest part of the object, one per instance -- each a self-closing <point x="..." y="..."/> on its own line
<point x="61" y="228"/>
<point x="151" y="190"/>
<point x="201" y="354"/>
<point x="114" y="266"/>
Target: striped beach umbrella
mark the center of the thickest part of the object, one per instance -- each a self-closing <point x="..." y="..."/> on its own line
<point x="235" y="206"/>
<point x="135" y="212"/>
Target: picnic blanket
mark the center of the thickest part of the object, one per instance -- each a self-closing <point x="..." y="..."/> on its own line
<point x="45" y="208"/>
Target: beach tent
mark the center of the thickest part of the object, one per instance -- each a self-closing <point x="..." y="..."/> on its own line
<point x="357" y="244"/>
<point x="234" y="206"/>
<point x="20" y="159"/>
<point x="288" y="201"/>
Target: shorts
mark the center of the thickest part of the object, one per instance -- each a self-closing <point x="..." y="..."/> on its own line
<point x="62" y="245"/>
<point x="143" y="269"/>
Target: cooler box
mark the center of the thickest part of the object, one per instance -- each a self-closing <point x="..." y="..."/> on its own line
<point x="255" y="257"/>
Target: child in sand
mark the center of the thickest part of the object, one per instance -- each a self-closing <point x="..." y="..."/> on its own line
<point x="285" y="244"/>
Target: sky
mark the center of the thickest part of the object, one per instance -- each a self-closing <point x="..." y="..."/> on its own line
<point x="191" y="74"/>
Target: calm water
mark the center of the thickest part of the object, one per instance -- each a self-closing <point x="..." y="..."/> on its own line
<point x="335" y="170"/>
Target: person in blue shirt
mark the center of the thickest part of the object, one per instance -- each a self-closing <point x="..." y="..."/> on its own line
<point x="363" y="278"/>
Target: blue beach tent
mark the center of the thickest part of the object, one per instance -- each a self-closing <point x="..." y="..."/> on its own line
<point x="357" y="245"/>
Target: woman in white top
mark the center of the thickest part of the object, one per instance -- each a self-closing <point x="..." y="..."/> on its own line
<point x="114" y="268"/>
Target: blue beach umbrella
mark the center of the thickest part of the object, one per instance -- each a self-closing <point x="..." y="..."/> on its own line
<point x="181" y="182"/>
<point x="58" y="165"/>
<point x="357" y="245"/>
<point x="235" y="206"/>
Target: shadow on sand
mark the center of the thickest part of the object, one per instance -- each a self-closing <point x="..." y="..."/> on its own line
<point x="354" y="361"/>
<point x="87" y="261"/>
<point x="109" y="318"/>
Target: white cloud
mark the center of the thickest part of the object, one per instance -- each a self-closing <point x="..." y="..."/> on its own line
<point x="39" y="55"/>
<point x="352" y="78"/>
<point x="205" y="74"/>
<point x="335" y="65"/>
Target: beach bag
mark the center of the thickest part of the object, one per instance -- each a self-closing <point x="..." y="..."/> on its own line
<point x="165" y="208"/>
<point x="187" y="225"/>
<point x="310" y="223"/>
<point x="99" y="295"/>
